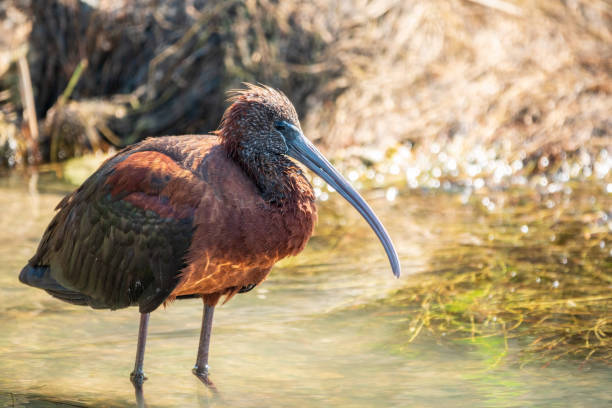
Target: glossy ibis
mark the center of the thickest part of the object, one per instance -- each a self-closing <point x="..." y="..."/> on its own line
<point x="190" y="216"/>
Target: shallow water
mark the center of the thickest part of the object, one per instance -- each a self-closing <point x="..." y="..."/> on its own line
<point x="318" y="332"/>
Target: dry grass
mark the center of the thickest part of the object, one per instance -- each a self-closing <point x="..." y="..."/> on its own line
<point x="529" y="78"/>
<point x="534" y="82"/>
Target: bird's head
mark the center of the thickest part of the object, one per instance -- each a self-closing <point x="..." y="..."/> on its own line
<point x="261" y="125"/>
<point x="252" y="125"/>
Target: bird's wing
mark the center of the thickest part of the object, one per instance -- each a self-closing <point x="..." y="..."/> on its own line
<point x="122" y="237"/>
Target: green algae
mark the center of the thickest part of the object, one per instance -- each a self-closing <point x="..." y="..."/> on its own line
<point x="537" y="272"/>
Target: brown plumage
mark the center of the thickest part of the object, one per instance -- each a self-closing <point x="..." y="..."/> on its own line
<point x="186" y="216"/>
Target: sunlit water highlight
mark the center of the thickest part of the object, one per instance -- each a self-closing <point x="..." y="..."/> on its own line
<point x="317" y="333"/>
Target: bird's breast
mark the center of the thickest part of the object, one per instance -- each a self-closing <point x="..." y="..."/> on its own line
<point x="238" y="236"/>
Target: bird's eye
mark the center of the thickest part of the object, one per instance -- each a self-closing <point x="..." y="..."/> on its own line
<point x="280" y="126"/>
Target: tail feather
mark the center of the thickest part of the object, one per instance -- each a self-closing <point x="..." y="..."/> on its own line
<point x="71" y="297"/>
<point x="40" y="277"/>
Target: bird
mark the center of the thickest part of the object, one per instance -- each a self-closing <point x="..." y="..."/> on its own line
<point x="189" y="216"/>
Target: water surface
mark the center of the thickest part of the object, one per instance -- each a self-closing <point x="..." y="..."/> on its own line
<point x="321" y="331"/>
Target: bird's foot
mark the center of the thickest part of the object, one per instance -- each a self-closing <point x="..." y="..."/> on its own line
<point x="137" y="378"/>
<point x="202" y="374"/>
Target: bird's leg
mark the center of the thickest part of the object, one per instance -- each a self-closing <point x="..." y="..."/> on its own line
<point x="137" y="376"/>
<point x="201" y="367"/>
<point x="140" y="399"/>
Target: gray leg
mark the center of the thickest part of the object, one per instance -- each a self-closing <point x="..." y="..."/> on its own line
<point x="140" y="399"/>
<point x="137" y="376"/>
<point x="201" y="366"/>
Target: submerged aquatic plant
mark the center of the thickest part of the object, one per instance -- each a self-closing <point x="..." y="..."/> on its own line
<point x="535" y="270"/>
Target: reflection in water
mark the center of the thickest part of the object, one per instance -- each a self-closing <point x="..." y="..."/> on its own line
<point x="329" y="327"/>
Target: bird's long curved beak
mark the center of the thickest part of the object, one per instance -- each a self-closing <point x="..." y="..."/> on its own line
<point x="305" y="152"/>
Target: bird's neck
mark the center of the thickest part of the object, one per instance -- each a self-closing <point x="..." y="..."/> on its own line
<point x="280" y="181"/>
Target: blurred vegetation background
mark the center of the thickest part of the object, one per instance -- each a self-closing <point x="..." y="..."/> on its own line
<point x="516" y="81"/>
